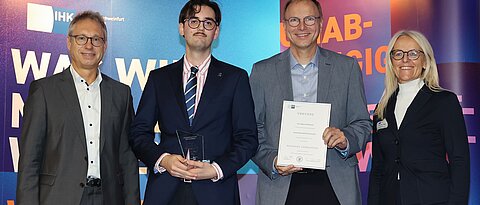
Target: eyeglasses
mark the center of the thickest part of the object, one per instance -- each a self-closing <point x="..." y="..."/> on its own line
<point x="208" y="24"/>
<point x="411" y="54"/>
<point x="82" y="40"/>
<point x="307" y="20"/>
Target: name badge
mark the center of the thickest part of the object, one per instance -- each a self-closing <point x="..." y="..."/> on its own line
<point x="382" y="124"/>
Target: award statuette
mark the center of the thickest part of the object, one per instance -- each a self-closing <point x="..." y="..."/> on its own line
<point x="192" y="147"/>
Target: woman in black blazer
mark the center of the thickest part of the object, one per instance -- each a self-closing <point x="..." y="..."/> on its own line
<point x="420" y="148"/>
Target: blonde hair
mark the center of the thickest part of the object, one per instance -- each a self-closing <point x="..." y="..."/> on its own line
<point x="429" y="74"/>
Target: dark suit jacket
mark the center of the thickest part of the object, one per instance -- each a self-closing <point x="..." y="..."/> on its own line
<point x="53" y="154"/>
<point x="433" y="127"/>
<point x="224" y="116"/>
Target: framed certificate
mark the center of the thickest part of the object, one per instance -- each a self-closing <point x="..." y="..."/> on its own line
<point x="301" y="143"/>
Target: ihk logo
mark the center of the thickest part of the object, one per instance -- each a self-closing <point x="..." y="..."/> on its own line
<point x="48" y="19"/>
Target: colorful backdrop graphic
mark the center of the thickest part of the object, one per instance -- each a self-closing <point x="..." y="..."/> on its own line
<point x="143" y="36"/>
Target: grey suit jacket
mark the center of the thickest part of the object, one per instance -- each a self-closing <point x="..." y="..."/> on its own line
<point x="53" y="154"/>
<point x="339" y="83"/>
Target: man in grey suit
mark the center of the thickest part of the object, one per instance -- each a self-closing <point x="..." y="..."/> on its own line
<point x="308" y="73"/>
<point x="74" y="143"/>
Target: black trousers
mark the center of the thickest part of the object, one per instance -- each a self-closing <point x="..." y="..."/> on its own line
<point x="184" y="195"/>
<point x="312" y="187"/>
<point x="91" y="196"/>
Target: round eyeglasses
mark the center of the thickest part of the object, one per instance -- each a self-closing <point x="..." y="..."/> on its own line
<point x="411" y="54"/>
<point x="82" y="40"/>
<point x="307" y="20"/>
<point x="208" y="24"/>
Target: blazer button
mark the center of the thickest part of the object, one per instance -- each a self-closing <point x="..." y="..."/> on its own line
<point x="396" y="142"/>
<point x="82" y="185"/>
<point x="397" y="160"/>
<point x="85" y="158"/>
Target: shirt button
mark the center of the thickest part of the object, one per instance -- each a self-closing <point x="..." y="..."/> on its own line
<point x="88" y="88"/>
<point x="91" y="162"/>
<point x="305" y="77"/>
<point x="305" y="94"/>
<point x="396" y="142"/>
<point x="91" y="142"/>
<point x="89" y="106"/>
<point x="91" y="124"/>
<point x="82" y="81"/>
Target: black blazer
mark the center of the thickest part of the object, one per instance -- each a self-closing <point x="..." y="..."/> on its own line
<point x="225" y="117"/>
<point x="432" y="130"/>
<point x="53" y="163"/>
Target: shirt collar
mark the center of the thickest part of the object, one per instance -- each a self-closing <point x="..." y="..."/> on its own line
<point x="294" y="62"/>
<point x="78" y="79"/>
<point x="202" y="68"/>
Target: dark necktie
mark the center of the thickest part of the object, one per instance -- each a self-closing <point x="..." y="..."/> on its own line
<point x="191" y="93"/>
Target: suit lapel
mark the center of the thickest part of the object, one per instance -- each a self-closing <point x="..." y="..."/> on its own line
<point x="69" y="93"/>
<point x="106" y="93"/>
<point x="210" y="89"/>
<point x="284" y="75"/>
<point x="418" y="102"/>
<point x="324" y="75"/>
<point x="176" y="78"/>
<point x="390" y="113"/>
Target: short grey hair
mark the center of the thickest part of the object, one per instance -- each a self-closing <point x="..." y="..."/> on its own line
<point x="93" y="15"/>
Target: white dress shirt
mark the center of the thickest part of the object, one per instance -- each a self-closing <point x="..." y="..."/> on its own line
<point x="89" y="98"/>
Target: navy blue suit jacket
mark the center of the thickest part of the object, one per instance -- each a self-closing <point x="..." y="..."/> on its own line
<point x="224" y="116"/>
<point x="433" y="127"/>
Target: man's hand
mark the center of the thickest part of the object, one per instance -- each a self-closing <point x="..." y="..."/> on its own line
<point x="177" y="166"/>
<point x="202" y="170"/>
<point x="286" y="170"/>
<point x="334" y="137"/>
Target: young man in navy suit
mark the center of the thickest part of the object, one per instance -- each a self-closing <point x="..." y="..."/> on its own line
<point x="202" y="95"/>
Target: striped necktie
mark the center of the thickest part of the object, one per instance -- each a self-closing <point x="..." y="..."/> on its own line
<point x="190" y="93"/>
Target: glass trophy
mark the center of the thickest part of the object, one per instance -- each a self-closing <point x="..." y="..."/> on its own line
<point x="192" y="146"/>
